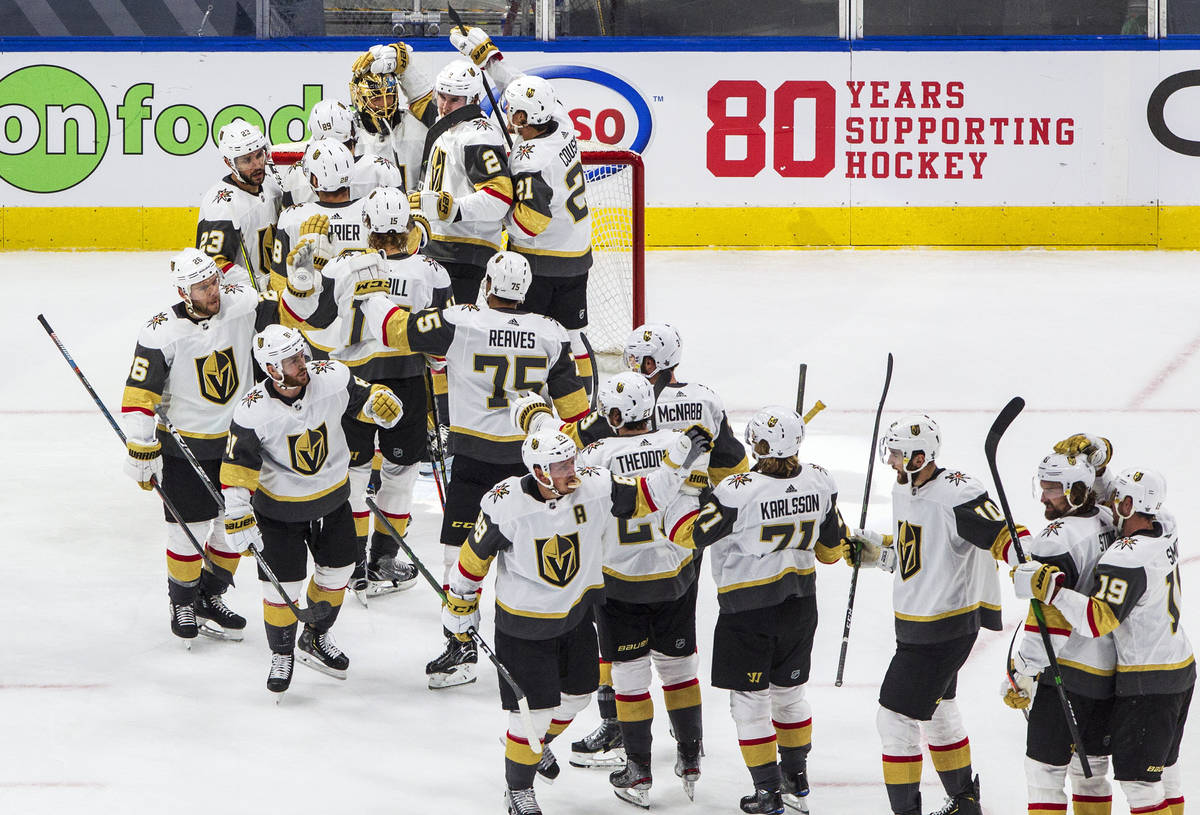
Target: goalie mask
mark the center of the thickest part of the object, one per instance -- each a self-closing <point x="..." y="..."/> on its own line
<point x="1072" y="477"/>
<point x="551" y="452"/>
<point x="328" y="164"/>
<point x="376" y="98"/>
<point x="775" y="432"/>
<point x="386" y="210"/>
<point x="1146" y="489"/>
<point x="658" y="341"/>
<point x="330" y="119"/>
<point x="533" y="96"/>
<point x="909" y="435"/>
<point x="629" y="393"/>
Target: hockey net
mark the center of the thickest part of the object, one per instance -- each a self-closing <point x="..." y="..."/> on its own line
<point x="616" y="200"/>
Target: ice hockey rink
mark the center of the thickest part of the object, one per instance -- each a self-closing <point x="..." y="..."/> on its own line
<point x="102" y="710"/>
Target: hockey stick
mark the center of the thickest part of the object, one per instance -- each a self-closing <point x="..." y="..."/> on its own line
<point x="223" y="574"/>
<point x="250" y="266"/>
<point x="437" y="453"/>
<point x="800" y="388"/>
<point x="817" y="407"/>
<point x="312" y="614"/>
<point x="535" y="738"/>
<point x="862" y="522"/>
<point x="1006" y="417"/>
<point x="595" y="371"/>
<point x="483" y="75"/>
<point x="1010" y="670"/>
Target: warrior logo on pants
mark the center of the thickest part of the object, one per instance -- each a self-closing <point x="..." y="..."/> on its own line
<point x="558" y="558"/>
<point x="218" y="376"/>
<point x="309" y="450"/>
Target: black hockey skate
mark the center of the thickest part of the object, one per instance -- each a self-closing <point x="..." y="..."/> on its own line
<point x="522" y="802"/>
<point x="763" y="802"/>
<point x="221" y="623"/>
<point x="603" y="747"/>
<point x="795" y="790"/>
<point x="280" y="677"/>
<point x="547" y="766"/>
<point x="388" y="576"/>
<point x="454" y="666"/>
<point x="183" y="622"/>
<point x="965" y="803"/>
<point x="320" y="652"/>
<point x="687" y="765"/>
<point x="633" y="782"/>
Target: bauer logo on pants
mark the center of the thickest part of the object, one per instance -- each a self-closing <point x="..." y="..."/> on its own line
<point x="558" y="558"/>
<point x="218" y="376"/>
<point x="309" y="450"/>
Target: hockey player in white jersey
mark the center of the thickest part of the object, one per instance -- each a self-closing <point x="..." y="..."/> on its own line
<point x="945" y="537"/>
<point x="238" y="213"/>
<point x="284" y="479"/>
<point x="764" y="531"/>
<point x="649" y="613"/>
<point x="1098" y="451"/>
<point x="193" y="359"/>
<point x="331" y="119"/>
<point x="549" y="223"/>
<point x="333" y="222"/>
<point x="392" y="95"/>
<point x="547" y="532"/>
<point x="1137" y="599"/>
<point x="492" y="355"/>
<point x="1078" y="534"/>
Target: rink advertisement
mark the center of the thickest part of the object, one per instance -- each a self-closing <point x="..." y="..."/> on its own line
<point x="809" y="147"/>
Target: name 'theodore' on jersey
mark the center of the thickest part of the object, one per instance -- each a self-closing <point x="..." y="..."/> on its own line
<point x="291" y="452"/>
<point x="550" y="223"/>
<point x="1074" y="544"/>
<point x="550" y="553"/>
<point x="230" y="217"/>
<point x="946" y="532"/>
<point x="198" y="368"/>
<point x="492" y="356"/>
<point x="763" y="535"/>
<point x="643" y="566"/>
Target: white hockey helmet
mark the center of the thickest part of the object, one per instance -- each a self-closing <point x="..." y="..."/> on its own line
<point x="544" y="449"/>
<point x="510" y="276"/>
<point x="275" y="343"/>
<point x="331" y="119"/>
<point x="328" y="163"/>
<point x="191" y="266"/>
<point x="534" y="96"/>
<point x="628" y="392"/>
<point x="240" y="138"/>
<point x="909" y="435"/>
<point x="460" y="78"/>
<point x="1147" y="488"/>
<point x="775" y="432"/>
<point x="658" y="341"/>
<point x="386" y="209"/>
<point x="1066" y="471"/>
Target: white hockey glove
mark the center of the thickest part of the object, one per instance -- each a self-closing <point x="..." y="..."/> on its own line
<point x="361" y="276"/>
<point x="1020" y="696"/>
<point x="315" y="228"/>
<point x="242" y="532"/>
<point x="301" y="273"/>
<point x="872" y="548"/>
<point x="439" y="205"/>
<point x="461" y="613"/>
<point x="1037" y="581"/>
<point x="382" y="59"/>
<point x="383" y="407"/>
<point x="144" y="463"/>
<point x="475" y="45"/>
<point x="527" y="412"/>
<point x="688" y="456"/>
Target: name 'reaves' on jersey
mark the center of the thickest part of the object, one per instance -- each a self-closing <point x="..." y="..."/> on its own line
<point x="236" y="226"/>
<point x="291" y="452"/>
<point x="468" y="160"/>
<point x="196" y="369"/>
<point x="413" y="283"/>
<point x="643" y="566"/>
<point x="550" y="223"/>
<point x="945" y="533"/>
<point x="367" y="173"/>
<point x="346" y="232"/>
<point x="549" y="554"/>
<point x="1074" y="544"/>
<point x="1138" y="599"/>
<point x="763" y="535"/>
<point x="492" y="356"/>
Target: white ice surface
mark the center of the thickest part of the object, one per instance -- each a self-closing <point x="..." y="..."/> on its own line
<point x="102" y="711"/>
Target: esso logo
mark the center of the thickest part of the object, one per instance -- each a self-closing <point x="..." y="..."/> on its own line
<point x="604" y="107"/>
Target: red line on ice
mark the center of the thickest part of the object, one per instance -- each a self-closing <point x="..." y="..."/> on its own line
<point x="1166" y="372"/>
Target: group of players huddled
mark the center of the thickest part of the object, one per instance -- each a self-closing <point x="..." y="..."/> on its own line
<point x="317" y="334"/>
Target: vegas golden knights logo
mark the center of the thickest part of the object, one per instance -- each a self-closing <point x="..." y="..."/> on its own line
<point x="309" y="450"/>
<point x="908" y="549"/>
<point x="217" y="375"/>
<point x="558" y="558"/>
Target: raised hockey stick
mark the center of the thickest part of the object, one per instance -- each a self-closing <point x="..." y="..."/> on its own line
<point x="314" y="613"/>
<point x="223" y="574"/>
<point x="535" y="738"/>
<point x="862" y="522"/>
<point x="800" y="380"/>
<point x="1006" y="417"/>
<point x="487" y="86"/>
